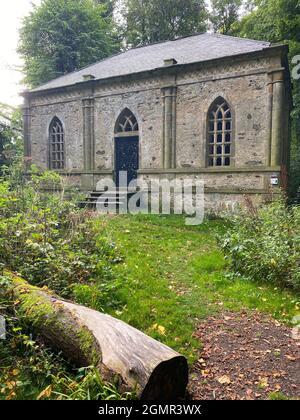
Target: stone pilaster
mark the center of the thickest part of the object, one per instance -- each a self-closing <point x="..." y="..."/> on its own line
<point x="26" y="126"/>
<point x="88" y="134"/>
<point x="277" y="119"/>
<point x="88" y="142"/>
<point x="269" y="120"/>
<point x="169" y="127"/>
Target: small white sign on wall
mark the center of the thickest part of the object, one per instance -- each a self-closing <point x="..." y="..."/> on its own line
<point x="274" y="180"/>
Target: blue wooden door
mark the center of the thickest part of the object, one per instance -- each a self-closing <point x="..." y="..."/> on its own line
<point x="126" y="158"/>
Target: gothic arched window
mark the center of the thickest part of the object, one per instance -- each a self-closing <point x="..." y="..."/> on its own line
<point x="56" y="145"/>
<point x="126" y="123"/>
<point x="220" y="139"/>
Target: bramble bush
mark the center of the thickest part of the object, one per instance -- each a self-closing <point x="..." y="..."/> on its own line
<point x="50" y="242"/>
<point x="263" y="243"/>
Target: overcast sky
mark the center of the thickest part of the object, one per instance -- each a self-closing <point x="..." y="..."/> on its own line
<point x="12" y="12"/>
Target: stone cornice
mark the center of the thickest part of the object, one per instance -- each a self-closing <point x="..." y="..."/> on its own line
<point x="214" y="171"/>
<point x="180" y="171"/>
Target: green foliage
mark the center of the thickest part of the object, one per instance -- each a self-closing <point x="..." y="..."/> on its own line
<point x="87" y="385"/>
<point x="101" y="296"/>
<point x="174" y="275"/>
<point x="109" y="6"/>
<point x="275" y="20"/>
<point x="49" y="241"/>
<point x="278" y="396"/>
<point x="11" y="135"/>
<point x="225" y="14"/>
<point x="149" y="21"/>
<point x="263" y="244"/>
<point x="61" y="36"/>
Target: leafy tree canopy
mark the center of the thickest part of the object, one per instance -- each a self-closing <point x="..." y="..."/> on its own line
<point x="60" y="36"/>
<point x="109" y="6"/>
<point x="224" y="15"/>
<point x="149" y="21"/>
<point x="10" y="134"/>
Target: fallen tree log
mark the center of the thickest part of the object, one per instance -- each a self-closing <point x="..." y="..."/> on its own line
<point x="87" y="337"/>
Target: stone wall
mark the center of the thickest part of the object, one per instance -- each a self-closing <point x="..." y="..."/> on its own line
<point x="146" y="106"/>
<point x="171" y="110"/>
<point x="70" y="114"/>
<point x="247" y="97"/>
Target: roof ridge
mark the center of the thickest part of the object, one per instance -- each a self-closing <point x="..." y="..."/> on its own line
<point x="239" y="38"/>
<point x="169" y="40"/>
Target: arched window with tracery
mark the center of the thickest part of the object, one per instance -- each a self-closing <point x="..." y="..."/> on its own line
<point x="56" y="145"/>
<point x="126" y="123"/>
<point x="220" y="134"/>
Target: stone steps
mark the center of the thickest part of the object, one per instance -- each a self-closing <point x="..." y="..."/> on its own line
<point x="114" y="198"/>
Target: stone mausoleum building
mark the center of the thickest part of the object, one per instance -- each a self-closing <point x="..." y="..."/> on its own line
<point x="209" y="107"/>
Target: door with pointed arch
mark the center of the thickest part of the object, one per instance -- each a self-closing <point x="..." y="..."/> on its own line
<point x="126" y="147"/>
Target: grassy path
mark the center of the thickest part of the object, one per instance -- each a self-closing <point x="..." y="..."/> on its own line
<point x="174" y="275"/>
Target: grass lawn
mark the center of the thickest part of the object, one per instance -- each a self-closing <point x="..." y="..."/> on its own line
<point x="174" y="275"/>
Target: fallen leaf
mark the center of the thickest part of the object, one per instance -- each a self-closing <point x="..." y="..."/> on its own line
<point x="10" y="396"/>
<point x="291" y="358"/>
<point x="10" y="384"/>
<point x="161" y="330"/>
<point x="205" y="372"/>
<point x="264" y="383"/>
<point x="15" y="372"/>
<point x="224" y="380"/>
<point x="46" y="393"/>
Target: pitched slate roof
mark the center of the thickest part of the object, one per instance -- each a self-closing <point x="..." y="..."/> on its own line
<point x="192" y="49"/>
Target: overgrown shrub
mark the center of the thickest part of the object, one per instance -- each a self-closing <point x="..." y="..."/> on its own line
<point x="51" y="242"/>
<point x="263" y="243"/>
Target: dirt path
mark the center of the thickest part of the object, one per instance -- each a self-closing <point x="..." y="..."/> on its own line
<point x="246" y="355"/>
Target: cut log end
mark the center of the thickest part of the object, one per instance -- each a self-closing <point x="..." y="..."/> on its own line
<point x="168" y="381"/>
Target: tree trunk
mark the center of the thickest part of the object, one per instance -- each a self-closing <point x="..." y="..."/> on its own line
<point x="88" y="337"/>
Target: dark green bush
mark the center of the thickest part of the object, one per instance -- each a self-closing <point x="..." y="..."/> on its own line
<point x="263" y="244"/>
